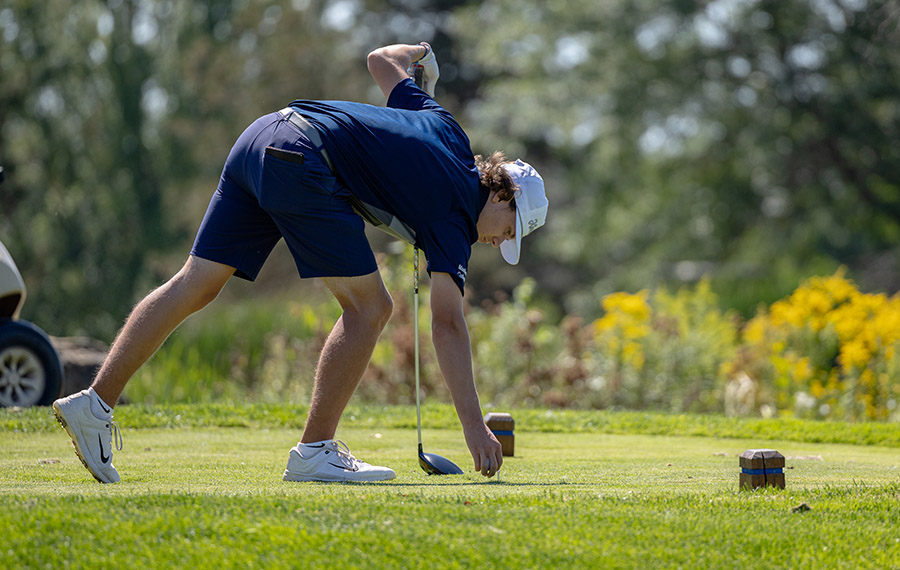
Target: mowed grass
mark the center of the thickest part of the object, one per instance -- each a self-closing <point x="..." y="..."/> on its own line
<point x="597" y="494"/>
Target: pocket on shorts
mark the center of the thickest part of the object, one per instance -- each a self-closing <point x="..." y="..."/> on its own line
<point x="292" y="156"/>
<point x="283" y="175"/>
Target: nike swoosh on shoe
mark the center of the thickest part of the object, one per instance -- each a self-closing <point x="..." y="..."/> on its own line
<point x="103" y="458"/>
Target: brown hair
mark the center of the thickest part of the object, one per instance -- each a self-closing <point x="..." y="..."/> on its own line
<point x="494" y="177"/>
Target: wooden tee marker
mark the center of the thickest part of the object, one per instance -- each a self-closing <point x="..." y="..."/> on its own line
<point x="503" y="427"/>
<point x="761" y="468"/>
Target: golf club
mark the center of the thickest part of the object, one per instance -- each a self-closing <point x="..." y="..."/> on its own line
<point x="430" y="463"/>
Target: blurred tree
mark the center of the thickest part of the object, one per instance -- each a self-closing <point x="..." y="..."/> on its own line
<point x="116" y="117"/>
<point x="83" y="195"/>
<point x="749" y="139"/>
<point x="85" y="213"/>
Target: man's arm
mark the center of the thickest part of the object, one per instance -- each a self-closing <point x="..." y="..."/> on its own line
<point x="454" y="353"/>
<point x="388" y="64"/>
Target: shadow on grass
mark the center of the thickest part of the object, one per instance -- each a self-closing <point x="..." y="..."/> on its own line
<point x="458" y="484"/>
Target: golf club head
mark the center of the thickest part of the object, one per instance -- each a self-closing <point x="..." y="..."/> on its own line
<point x="437" y="465"/>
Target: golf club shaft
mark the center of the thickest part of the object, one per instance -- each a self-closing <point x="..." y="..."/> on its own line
<point x="416" y="341"/>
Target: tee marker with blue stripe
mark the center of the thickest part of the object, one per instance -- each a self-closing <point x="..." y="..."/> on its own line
<point x="761" y="468"/>
<point x="503" y="427"/>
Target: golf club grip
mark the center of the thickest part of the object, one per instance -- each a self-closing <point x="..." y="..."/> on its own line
<point x="419" y="76"/>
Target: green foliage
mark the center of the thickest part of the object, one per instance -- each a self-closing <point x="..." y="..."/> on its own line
<point x="84" y="209"/>
<point x="262" y="351"/>
<point x="827" y="351"/>
<point x="666" y="353"/>
<point x="116" y="118"/>
<point x="686" y="138"/>
<point x="519" y="358"/>
<point x="751" y="141"/>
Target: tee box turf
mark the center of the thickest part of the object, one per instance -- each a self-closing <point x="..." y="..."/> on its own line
<point x="503" y="427"/>
<point x="762" y="468"/>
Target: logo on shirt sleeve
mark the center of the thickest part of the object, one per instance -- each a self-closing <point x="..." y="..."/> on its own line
<point x="461" y="273"/>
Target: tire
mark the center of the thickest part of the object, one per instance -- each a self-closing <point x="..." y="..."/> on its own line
<point x="31" y="371"/>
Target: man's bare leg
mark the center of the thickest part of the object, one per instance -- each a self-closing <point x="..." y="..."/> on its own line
<point x="366" y="308"/>
<point x="154" y="318"/>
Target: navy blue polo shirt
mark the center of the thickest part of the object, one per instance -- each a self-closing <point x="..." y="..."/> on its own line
<point x="412" y="159"/>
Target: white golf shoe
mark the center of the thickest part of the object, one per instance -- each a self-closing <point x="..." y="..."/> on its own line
<point x="92" y="436"/>
<point x="331" y="461"/>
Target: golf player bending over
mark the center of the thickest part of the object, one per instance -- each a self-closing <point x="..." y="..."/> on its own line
<point x="295" y="174"/>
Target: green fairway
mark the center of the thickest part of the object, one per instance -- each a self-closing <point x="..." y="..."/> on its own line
<point x="204" y="496"/>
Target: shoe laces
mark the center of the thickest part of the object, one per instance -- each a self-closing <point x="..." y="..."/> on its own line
<point x="343" y="452"/>
<point x="115" y="434"/>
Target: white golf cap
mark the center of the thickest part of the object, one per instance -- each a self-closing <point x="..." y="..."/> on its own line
<point x="531" y="206"/>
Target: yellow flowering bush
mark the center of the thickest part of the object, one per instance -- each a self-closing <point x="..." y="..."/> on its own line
<point x="663" y="351"/>
<point x="625" y="324"/>
<point x="827" y="351"/>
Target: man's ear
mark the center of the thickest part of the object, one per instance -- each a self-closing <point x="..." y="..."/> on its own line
<point x="495" y="198"/>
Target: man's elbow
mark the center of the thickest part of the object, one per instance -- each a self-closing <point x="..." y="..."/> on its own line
<point x="376" y="60"/>
<point x="372" y="58"/>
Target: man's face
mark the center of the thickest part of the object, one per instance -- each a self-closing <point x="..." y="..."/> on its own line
<point x="497" y="222"/>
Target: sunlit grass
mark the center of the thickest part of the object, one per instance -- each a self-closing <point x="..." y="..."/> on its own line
<point x="195" y="494"/>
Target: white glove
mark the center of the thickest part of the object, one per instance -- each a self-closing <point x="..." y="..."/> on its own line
<point x="425" y="72"/>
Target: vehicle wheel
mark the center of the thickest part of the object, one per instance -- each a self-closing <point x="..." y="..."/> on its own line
<point x="31" y="371"/>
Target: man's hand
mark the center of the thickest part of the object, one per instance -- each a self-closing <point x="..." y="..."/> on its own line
<point x="454" y="353"/>
<point x="428" y="70"/>
<point x="485" y="449"/>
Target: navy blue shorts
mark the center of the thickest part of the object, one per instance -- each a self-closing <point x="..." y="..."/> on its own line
<point x="286" y="192"/>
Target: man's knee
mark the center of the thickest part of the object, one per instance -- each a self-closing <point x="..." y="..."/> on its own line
<point x="370" y="307"/>
<point x="205" y="295"/>
<point x="375" y="310"/>
<point x="199" y="282"/>
<point x="384" y="309"/>
<point x="364" y="300"/>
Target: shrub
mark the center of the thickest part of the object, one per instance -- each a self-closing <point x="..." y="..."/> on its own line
<point x="827" y="351"/>
<point x="665" y="351"/>
<point x="520" y="359"/>
<point x="256" y="350"/>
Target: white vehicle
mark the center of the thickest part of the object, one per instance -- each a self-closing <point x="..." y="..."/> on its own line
<point x="31" y="371"/>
